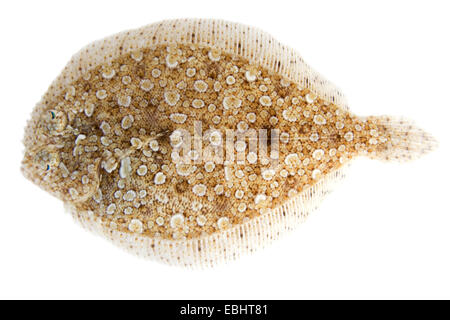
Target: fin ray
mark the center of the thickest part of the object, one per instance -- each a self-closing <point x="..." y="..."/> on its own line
<point x="219" y="247"/>
<point x="408" y="141"/>
<point x="251" y="43"/>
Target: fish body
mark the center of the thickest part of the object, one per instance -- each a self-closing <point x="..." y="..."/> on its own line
<point x="194" y="141"/>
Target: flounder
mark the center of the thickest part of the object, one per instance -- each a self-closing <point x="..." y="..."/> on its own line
<point x="192" y="142"/>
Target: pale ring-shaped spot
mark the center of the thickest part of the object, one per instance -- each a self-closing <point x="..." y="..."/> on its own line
<point x="142" y="170"/>
<point x="214" y="55"/>
<point x="223" y="223"/>
<point x="89" y="109"/>
<point x="339" y="125"/>
<point x="242" y="126"/>
<point x="252" y="157"/>
<point x="190" y="72"/>
<point x="242" y="207"/>
<point x="110" y="165"/>
<point x="127" y="122"/>
<point x="154" y="145"/>
<point x="159" y="221"/>
<point x="292" y="160"/>
<point x="156" y="73"/>
<point x="171" y="97"/>
<point x="137" y="55"/>
<point x="184" y="169"/>
<point x="196" y="206"/>
<point x="111" y="209"/>
<point x="177" y="221"/>
<point x="217" y="86"/>
<point x="319" y="119"/>
<point x="101" y="94"/>
<point x="215" y="138"/>
<point x="348" y="136"/>
<point x="136" y="226"/>
<point x="219" y="189"/>
<point x="179" y="118"/>
<point x="209" y="166"/>
<point x="212" y="107"/>
<point x="124" y="101"/>
<point x="284" y="83"/>
<point x="332" y="152"/>
<point x="231" y="102"/>
<point x="216" y="119"/>
<point x="265" y="101"/>
<point x="318" y="154"/>
<point x="268" y="174"/>
<point x="126" y="80"/>
<point x="201" y="220"/>
<point x="250" y="75"/>
<point x="273" y="120"/>
<point x="239" y="194"/>
<point x="284" y="173"/>
<point x="182" y="85"/>
<point x="171" y="61"/>
<point x="199" y="190"/>
<point x="198" y="103"/>
<point x="200" y="86"/>
<point x="176" y="139"/>
<point x="251" y="117"/>
<point x="316" y="174"/>
<point x="290" y="115"/>
<point x="105" y="141"/>
<point x="146" y="85"/>
<point x="230" y="80"/>
<point x="314" y="137"/>
<point x="129" y="196"/>
<point x="310" y="98"/>
<point x="239" y="174"/>
<point x="142" y="193"/>
<point x="136" y="143"/>
<point x="160" y="178"/>
<point x="284" y="137"/>
<point x="108" y="74"/>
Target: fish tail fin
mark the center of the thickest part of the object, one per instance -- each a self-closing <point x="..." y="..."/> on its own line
<point x="405" y="141"/>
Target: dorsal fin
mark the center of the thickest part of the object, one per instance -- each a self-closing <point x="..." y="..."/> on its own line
<point x="248" y="42"/>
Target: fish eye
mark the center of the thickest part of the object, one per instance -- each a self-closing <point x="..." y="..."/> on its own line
<point x="55" y="121"/>
<point x="50" y="115"/>
<point x="46" y="159"/>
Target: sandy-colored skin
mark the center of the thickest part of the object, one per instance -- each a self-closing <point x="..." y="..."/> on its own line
<point x="121" y="118"/>
<point x="110" y="142"/>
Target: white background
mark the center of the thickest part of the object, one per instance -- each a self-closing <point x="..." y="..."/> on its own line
<point x="384" y="233"/>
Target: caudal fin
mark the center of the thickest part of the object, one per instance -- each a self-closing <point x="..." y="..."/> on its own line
<point x="406" y="140"/>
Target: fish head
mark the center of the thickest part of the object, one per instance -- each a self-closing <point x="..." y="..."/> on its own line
<point x="49" y="161"/>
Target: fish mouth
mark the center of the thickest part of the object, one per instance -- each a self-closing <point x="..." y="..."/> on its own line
<point x="27" y="167"/>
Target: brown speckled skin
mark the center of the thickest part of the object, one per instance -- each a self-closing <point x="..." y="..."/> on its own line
<point x="121" y="91"/>
<point x="105" y="138"/>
